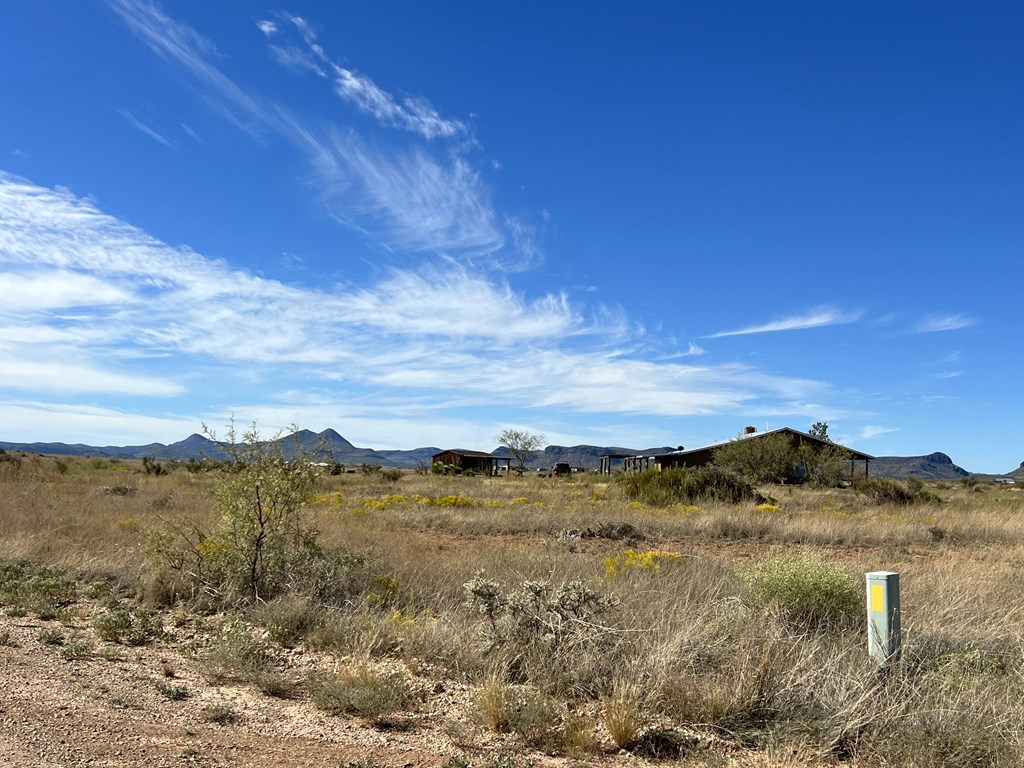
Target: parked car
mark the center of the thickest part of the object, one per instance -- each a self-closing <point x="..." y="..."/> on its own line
<point x="561" y="468"/>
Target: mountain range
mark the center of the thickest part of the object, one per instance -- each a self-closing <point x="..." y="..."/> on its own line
<point x="331" y="446"/>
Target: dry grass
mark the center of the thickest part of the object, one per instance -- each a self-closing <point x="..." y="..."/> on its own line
<point x="688" y="649"/>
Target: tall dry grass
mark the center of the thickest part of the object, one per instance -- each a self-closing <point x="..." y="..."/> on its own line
<point x="695" y="649"/>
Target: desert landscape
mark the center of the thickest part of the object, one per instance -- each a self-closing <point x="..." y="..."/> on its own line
<point x="419" y="619"/>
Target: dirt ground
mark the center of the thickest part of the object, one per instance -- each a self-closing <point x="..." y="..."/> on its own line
<point x="105" y="709"/>
<point x="102" y="706"/>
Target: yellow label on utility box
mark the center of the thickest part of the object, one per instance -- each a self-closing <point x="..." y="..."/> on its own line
<point x="878" y="597"/>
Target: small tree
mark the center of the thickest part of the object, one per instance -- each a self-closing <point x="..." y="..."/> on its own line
<point x="825" y="465"/>
<point x="521" y="444"/>
<point x="261" y="533"/>
<point x="819" y="429"/>
<point x="767" y="459"/>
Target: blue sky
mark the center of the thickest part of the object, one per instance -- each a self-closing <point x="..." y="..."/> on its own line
<point x="617" y="224"/>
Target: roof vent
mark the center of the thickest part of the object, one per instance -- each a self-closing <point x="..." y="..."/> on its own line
<point x="749" y="430"/>
<point x="680" y="448"/>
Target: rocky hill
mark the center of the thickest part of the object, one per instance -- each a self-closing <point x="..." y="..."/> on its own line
<point x="934" y="466"/>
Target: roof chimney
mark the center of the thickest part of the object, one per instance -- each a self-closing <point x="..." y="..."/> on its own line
<point x="749" y="430"/>
<point x="680" y="448"/>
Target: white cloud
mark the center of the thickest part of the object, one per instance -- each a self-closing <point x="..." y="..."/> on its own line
<point x="33" y="292"/>
<point x="267" y="27"/>
<point x="148" y="130"/>
<point x="63" y="375"/>
<point x="949" y="322"/>
<point x="181" y="44"/>
<point x="412" y="113"/>
<point x="871" y="432"/>
<point x="295" y="59"/>
<point x="407" y="199"/>
<point x="35" y="421"/>
<point x="816" y="318"/>
<point x="437" y="337"/>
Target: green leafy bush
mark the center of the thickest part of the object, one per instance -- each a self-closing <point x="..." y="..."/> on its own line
<point x="128" y="625"/>
<point x="810" y="592"/>
<point x="765" y="459"/>
<point x="686" y="485"/>
<point x="42" y="590"/>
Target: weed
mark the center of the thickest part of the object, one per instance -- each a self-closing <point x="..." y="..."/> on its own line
<point x="5" y="638"/>
<point x="622" y="713"/>
<point x="43" y="590"/>
<point x="883" y="490"/>
<point x="494" y="700"/>
<point x="221" y="714"/>
<point x="172" y="692"/>
<point x="360" y="691"/>
<point x="51" y="636"/>
<point x="686" y="485"/>
<point x="646" y="561"/>
<point x="809" y="591"/>
<point x="128" y="625"/>
<point x="77" y="649"/>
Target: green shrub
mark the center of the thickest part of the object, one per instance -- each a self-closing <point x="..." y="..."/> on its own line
<point x="51" y="637"/>
<point x="43" y="590"/>
<point x="172" y="692"/>
<point x="221" y="714"/>
<point x="765" y="459"/>
<point x="360" y="691"/>
<point x="128" y="625"/>
<point x="810" y="592"/>
<point x="686" y="485"/>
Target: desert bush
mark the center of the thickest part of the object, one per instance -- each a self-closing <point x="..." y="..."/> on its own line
<point x="823" y="466"/>
<point x="127" y="624"/>
<point x="809" y="591"/>
<point x="42" y="590"/>
<point x="151" y="466"/>
<point x="360" y="690"/>
<point x="391" y="474"/>
<point x="51" y="636"/>
<point x="220" y="714"/>
<point x="261" y="533"/>
<point x="170" y="691"/>
<point x="883" y="490"/>
<point x="288" y="618"/>
<point x="543" y="632"/>
<point x="686" y="485"/>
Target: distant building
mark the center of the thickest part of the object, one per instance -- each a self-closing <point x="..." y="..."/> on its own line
<point x="477" y="461"/>
<point x="699" y="457"/>
<point x="1004" y="480"/>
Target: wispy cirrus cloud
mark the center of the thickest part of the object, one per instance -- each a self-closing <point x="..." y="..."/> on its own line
<point x="406" y="198"/>
<point x="815" y="318"/>
<point x="411" y="113"/>
<point x="871" y="432"/>
<point x="183" y="46"/>
<point x="136" y="122"/>
<point x="390" y="337"/>
<point x="947" y="322"/>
